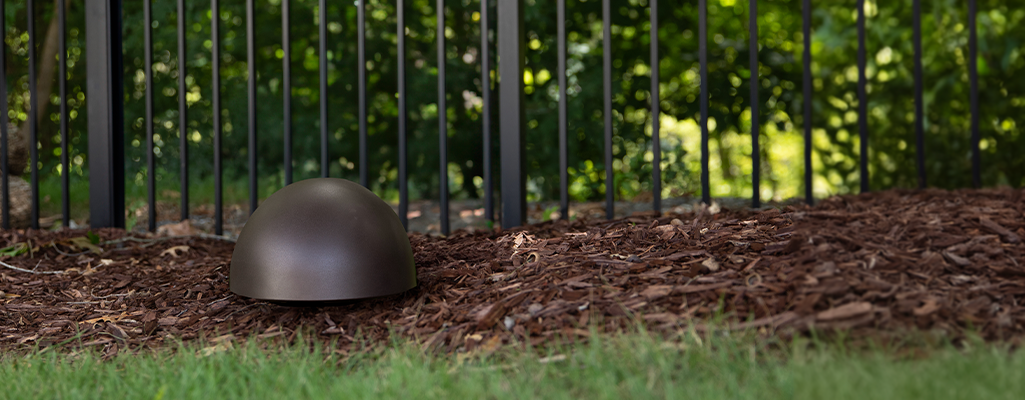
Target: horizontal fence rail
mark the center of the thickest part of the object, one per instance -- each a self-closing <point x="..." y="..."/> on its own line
<point x="103" y="32"/>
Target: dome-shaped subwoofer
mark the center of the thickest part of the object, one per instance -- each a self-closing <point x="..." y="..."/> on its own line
<point x="320" y="241"/>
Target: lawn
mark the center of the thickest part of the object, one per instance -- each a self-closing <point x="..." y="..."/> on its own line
<point x="634" y="365"/>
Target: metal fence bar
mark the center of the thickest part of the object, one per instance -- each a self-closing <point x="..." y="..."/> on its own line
<point x="862" y="99"/>
<point x="756" y="164"/>
<point x="322" y="66"/>
<point x="105" y="107"/>
<point x="973" y="76"/>
<point x="286" y="87"/>
<point x="63" y="82"/>
<point x="105" y="114"/>
<point x="403" y="179"/>
<point x="485" y="68"/>
<point x="656" y="137"/>
<point x="610" y="183"/>
<point x="151" y="174"/>
<point x="706" y="195"/>
<point x="183" y="113"/>
<point x="33" y="127"/>
<point x="216" y="100"/>
<point x="563" y="117"/>
<point x="442" y="119"/>
<point x="361" y="50"/>
<point x="251" y="84"/>
<point x="919" y="103"/>
<point x="807" y="86"/>
<point x="511" y="47"/>
<point x="5" y="202"/>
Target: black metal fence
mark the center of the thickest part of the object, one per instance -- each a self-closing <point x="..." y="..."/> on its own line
<point x="106" y="108"/>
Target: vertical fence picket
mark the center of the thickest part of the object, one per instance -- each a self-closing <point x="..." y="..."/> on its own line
<point x="322" y="67"/>
<point x="286" y="87"/>
<point x="105" y="109"/>
<point x="512" y="143"/>
<point x="401" y="43"/>
<point x="706" y="195"/>
<point x="485" y="69"/>
<point x="919" y="103"/>
<point x="183" y="112"/>
<point x="361" y="55"/>
<point x="63" y="82"/>
<point x="756" y="164"/>
<point x="610" y="183"/>
<point x="806" y="107"/>
<point x="5" y="188"/>
<point x="33" y="128"/>
<point x="563" y="118"/>
<point x="973" y="76"/>
<point x="442" y="120"/>
<point x="251" y="85"/>
<point x="215" y="89"/>
<point x="151" y="172"/>
<point x="862" y="99"/>
<point x="656" y="137"/>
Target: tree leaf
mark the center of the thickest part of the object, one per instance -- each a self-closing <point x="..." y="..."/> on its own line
<point x="93" y="238"/>
<point x="84" y="243"/>
<point x="14" y="250"/>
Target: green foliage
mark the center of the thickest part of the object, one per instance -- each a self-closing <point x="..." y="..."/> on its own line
<point x="890" y="62"/>
<point x="547" y="216"/>
<point x="891" y="84"/>
<point x="93" y="238"/>
<point x="133" y="213"/>
<point x="14" y="250"/>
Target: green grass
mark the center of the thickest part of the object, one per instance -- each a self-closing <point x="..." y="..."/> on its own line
<point x="626" y="366"/>
<point x="50" y="196"/>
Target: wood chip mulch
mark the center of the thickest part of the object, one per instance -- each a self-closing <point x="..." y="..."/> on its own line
<point x="885" y="262"/>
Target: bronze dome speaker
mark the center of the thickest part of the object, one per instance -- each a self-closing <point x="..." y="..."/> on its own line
<point x="321" y="241"/>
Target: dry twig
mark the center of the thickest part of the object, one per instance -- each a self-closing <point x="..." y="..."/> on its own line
<point x="165" y="238"/>
<point x="31" y="271"/>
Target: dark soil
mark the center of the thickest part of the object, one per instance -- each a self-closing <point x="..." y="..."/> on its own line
<point x="943" y="261"/>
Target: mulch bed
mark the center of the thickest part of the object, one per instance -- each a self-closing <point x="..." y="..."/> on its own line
<point x="885" y="262"/>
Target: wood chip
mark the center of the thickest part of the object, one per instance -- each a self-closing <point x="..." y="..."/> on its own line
<point x="994" y="227"/>
<point x="845" y="311"/>
<point x="710" y="264"/>
<point x="888" y="260"/>
<point x="930" y="306"/>
<point x="657" y="291"/>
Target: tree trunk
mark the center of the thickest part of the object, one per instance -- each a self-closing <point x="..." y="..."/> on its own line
<point x="21" y="206"/>
<point x="18" y="144"/>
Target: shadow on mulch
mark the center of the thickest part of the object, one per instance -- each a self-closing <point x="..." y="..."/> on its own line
<point x="935" y="260"/>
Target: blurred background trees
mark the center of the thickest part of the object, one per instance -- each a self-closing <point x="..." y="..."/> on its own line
<point x="891" y="102"/>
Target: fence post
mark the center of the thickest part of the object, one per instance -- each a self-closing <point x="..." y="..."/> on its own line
<point x="106" y="114"/>
<point x="511" y="115"/>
